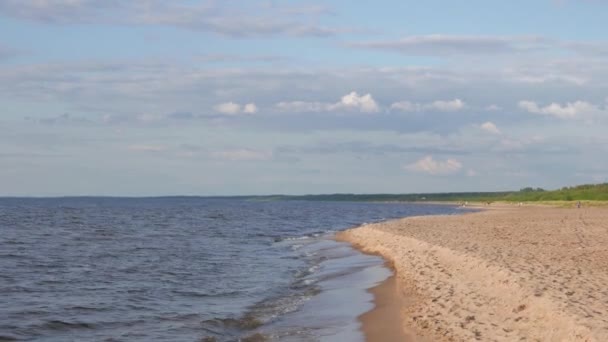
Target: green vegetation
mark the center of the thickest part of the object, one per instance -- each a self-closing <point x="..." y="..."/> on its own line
<point x="589" y="192"/>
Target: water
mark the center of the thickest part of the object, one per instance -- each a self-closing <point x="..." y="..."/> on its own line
<point x="185" y="269"/>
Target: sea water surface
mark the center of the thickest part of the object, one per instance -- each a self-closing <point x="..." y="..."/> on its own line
<point x="186" y="269"/>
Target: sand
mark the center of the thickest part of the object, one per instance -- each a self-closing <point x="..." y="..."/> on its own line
<point x="383" y="323"/>
<point x="523" y="273"/>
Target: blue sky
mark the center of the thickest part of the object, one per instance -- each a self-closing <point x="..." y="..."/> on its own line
<point x="150" y="97"/>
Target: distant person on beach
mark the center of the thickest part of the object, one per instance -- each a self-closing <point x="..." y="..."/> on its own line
<point x="578" y="204"/>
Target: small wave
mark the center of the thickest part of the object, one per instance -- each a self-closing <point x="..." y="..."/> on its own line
<point x="87" y="308"/>
<point x="297" y="238"/>
<point x="247" y="322"/>
<point x="181" y="317"/>
<point x="271" y="308"/>
<point x="29" y="313"/>
<point x="297" y="246"/>
<point x="14" y="242"/>
<point x="12" y="256"/>
<point x="193" y="293"/>
<point x="308" y="236"/>
<point x="62" y="325"/>
<point x="216" y="216"/>
<point x="306" y="272"/>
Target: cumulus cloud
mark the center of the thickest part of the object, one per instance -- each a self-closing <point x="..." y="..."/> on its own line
<point x="349" y="102"/>
<point x="228" y="108"/>
<point x="231" y="108"/>
<point x="431" y="166"/>
<point x="570" y="110"/>
<point x="490" y="127"/>
<point x="440" y="105"/>
<point x="447" y="106"/>
<point x="493" y="108"/>
<point x="354" y="101"/>
<point x="250" y="108"/>
<point x="119" y="91"/>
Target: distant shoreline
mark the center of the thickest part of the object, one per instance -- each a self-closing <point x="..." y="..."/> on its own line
<point x="531" y="271"/>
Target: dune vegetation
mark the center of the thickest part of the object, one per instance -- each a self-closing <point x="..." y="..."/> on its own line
<point x="587" y="192"/>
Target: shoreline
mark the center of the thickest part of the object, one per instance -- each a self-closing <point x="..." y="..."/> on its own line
<point x="383" y="321"/>
<point x="518" y="272"/>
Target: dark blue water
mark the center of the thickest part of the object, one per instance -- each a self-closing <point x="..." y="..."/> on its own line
<point x="184" y="269"/>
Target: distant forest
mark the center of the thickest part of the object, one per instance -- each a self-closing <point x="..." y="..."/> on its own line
<point x="588" y="192"/>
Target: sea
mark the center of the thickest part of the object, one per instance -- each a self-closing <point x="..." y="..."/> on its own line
<point x="186" y="268"/>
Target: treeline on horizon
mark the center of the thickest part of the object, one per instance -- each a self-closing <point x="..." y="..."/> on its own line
<point x="587" y="192"/>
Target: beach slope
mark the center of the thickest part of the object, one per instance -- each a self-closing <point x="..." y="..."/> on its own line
<point x="537" y="274"/>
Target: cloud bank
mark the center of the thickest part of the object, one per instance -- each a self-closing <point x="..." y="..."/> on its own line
<point x="349" y="102"/>
<point x="431" y="166"/>
<point x="439" y="105"/>
<point x="244" y="20"/>
<point x="570" y="110"/>
<point x="231" y="108"/>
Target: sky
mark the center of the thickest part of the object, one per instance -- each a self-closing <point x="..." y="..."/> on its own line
<point x="151" y="97"/>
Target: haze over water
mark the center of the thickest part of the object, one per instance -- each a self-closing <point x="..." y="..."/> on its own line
<point x="184" y="269"/>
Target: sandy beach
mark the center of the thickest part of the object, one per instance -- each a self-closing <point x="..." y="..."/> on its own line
<point x="504" y="274"/>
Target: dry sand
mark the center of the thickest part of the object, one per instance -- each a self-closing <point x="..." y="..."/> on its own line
<point x="525" y="273"/>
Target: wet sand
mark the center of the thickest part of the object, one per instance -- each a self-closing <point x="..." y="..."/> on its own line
<point x="518" y="273"/>
<point x="384" y="321"/>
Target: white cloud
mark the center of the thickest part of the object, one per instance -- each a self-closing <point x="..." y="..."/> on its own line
<point x="439" y="105"/>
<point x="250" y="108"/>
<point x="431" y="166"/>
<point x="116" y="92"/>
<point x="349" y="102"/>
<point x="448" y="106"/>
<point x="301" y="106"/>
<point x="231" y="108"/>
<point x="570" y="110"/>
<point x="228" y="108"/>
<point x="406" y="106"/>
<point x="242" y="154"/>
<point x="490" y="127"/>
<point x="354" y="101"/>
<point x="493" y="108"/>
